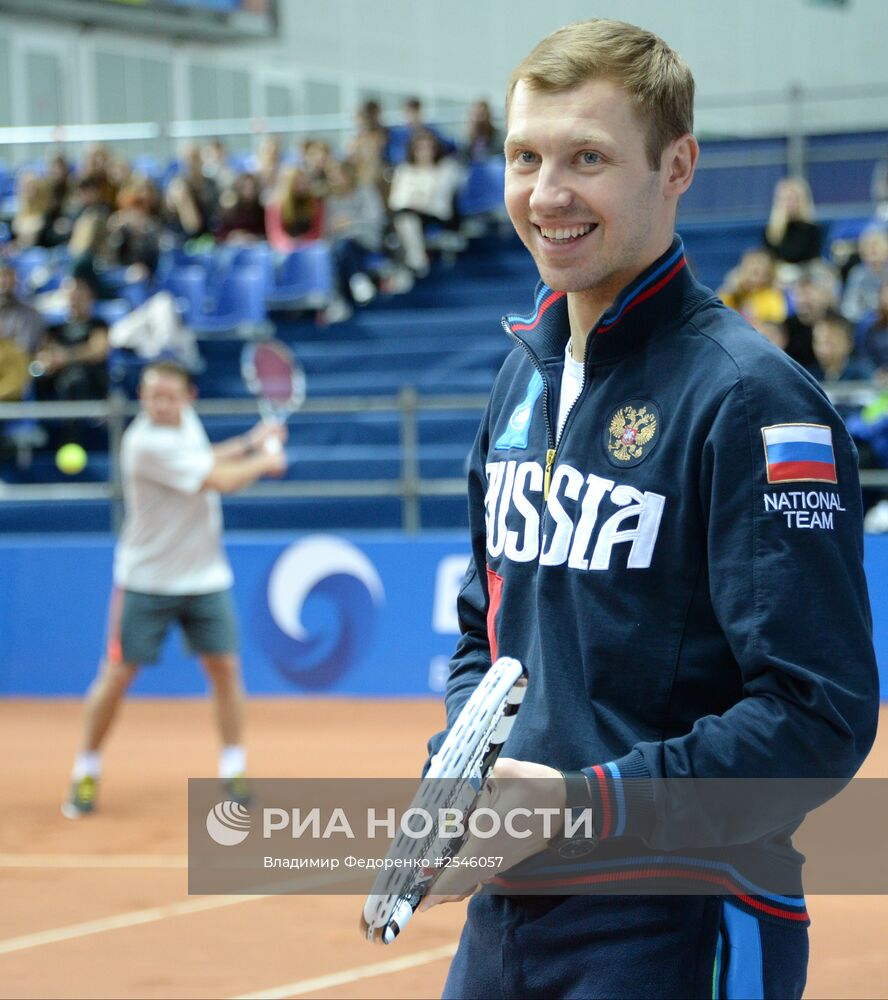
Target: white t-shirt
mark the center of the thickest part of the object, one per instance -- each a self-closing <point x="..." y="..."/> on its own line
<point x="571" y="386"/>
<point x="426" y="189"/>
<point x="171" y="542"/>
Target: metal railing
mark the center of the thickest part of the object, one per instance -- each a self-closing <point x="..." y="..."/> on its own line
<point x="410" y="486"/>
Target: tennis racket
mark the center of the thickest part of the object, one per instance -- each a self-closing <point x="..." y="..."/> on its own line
<point x="466" y="758"/>
<point x="276" y="379"/>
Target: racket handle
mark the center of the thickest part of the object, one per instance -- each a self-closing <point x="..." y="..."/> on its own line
<point x="397" y="922"/>
<point x="273" y="445"/>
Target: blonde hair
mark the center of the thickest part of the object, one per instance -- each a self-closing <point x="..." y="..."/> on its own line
<point x="778" y="219"/>
<point x="657" y="79"/>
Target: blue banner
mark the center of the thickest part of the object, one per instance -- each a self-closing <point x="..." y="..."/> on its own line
<point x="370" y="614"/>
<point x="349" y="615"/>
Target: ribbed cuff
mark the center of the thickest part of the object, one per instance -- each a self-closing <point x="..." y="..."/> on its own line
<point x="622" y="797"/>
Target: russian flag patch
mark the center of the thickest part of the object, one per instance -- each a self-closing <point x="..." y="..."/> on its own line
<point x="799" y="453"/>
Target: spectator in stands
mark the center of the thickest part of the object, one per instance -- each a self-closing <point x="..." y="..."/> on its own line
<point x="21" y="332"/>
<point x="241" y="216"/>
<point x="423" y="191"/>
<point x="811" y="295"/>
<point x="34" y="219"/>
<point x="833" y="345"/>
<point x="203" y="189"/>
<point x="775" y="332"/>
<point x="120" y="172"/>
<point x="791" y="233"/>
<point x="215" y="165"/>
<point x="97" y="166"/>
<point x="865" y="279"/>
<point x="316" y="158"/>
<point x="60" y="183"/>
<point x="368" y="149"/>
<point x="483" y="138"/>
<point x="414" y="124"/>
<point x="269" y="165"/>
<point x="371" y="127"/>
<point x="72" y="358"/>
<point x="134" y="230"/>
<point x="59" y="179"/>
<point x="750" y="288"/>
<point x="873" y="334"/>
<point x="293" y="215"/>
<point x="89" y="232"/>
<point x="19" y="321"/>
<point x="183" y="212"/>
<point x="354" y="224"/>
<point x="369" y="118"/>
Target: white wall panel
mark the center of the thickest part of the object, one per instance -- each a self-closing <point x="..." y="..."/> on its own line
<point x="457" y="50"/>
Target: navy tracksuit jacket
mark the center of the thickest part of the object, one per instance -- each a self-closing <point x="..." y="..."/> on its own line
<point x="681" y="574"/>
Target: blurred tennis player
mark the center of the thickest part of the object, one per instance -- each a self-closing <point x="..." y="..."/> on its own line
<point x="666" y="530"/>
<point x="169" y="566"/>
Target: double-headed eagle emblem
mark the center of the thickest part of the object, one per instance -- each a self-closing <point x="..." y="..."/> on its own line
<point x="630" y="430"/>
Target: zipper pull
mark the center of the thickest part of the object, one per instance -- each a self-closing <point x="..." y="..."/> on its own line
<point x="547" y="475"/>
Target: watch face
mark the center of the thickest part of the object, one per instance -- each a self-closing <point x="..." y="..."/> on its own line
<point x="577" y="848"/>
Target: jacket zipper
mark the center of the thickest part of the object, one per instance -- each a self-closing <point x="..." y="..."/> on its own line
<point x="550" y="437"/>
<point x="552" y="445"/>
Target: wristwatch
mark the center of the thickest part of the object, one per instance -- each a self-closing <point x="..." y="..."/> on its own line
<point x="579" y="805"/>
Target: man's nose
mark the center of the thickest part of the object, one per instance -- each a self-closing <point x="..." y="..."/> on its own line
<point x="551" y="193"/>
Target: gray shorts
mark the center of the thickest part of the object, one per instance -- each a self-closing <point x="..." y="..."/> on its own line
<point x="140" y="622"/>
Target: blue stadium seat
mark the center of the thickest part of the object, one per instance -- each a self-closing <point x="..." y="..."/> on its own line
<point x="482" y="190"/>
<point x="188" y="284"/>
<point x="33" y="267"/>
<point x="304" y="279"/>
<point x="111" y="310"/>
<point x="237" y="307"/>
<point x="228" y="260"/>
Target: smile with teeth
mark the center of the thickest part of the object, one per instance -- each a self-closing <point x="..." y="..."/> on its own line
<point x="565" y="234"/>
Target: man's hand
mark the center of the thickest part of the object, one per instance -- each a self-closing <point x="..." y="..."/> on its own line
<point x="530" y="800"/>
<point x="53" y="358"/>
<point x="264" y="431"/>
<point x="275" y="463"/>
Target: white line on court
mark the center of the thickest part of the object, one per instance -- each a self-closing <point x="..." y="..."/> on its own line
<point x="303" y="986"/>
<point x="93" y="861"/>
<point x="131" y="919"/>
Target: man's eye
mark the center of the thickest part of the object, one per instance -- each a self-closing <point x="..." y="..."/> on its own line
<point x="525" y="156"/>
<point x="591" y="158"/>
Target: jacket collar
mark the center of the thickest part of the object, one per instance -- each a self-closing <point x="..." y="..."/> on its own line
<point x="663" y="291"/>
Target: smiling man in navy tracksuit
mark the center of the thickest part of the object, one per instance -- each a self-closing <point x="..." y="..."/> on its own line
<point x="666" y="530"/>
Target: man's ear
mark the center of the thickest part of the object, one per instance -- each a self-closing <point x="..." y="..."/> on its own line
<point x="678" y="163"/>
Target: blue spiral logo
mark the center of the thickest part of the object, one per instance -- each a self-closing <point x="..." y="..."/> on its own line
<point x="323" y="595"/>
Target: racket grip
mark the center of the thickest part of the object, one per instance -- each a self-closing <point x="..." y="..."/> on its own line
<point x="273" y="445"/>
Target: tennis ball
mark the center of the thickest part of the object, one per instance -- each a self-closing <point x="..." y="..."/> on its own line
<point x="70" y="459"/>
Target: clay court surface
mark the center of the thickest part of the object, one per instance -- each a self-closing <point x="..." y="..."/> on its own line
<point x="99" y="907"/>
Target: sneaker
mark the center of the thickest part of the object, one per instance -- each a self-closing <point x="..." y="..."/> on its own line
<point x="82" y="799"/>
<point x="237" y="789"/>
<point x="337" y="312"/>
<point x="362" y="288"/>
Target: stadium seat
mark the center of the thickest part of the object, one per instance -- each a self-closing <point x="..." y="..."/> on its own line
<point x="188" y="284"/>
<point x="304" y="279"/>
<point x="237" y="307"/>
<point x="111" y="310"/>
<point x="482" y="190"/>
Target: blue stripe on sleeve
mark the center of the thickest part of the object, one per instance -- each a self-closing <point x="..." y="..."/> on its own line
<point x="620" y="824"/>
